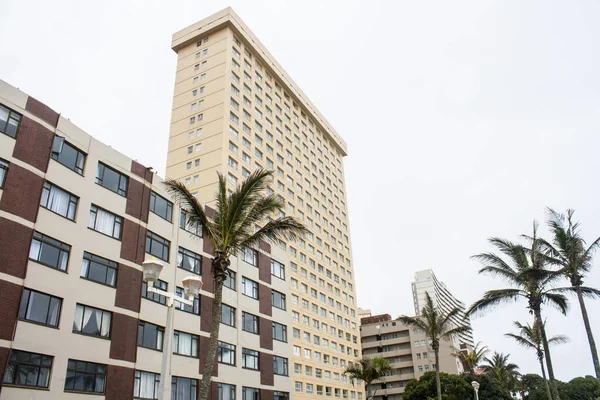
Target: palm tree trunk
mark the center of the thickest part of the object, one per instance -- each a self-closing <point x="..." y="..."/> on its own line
<point x="588" y="330"/>
<point x="213" y="342"/>
<point x="541" y="360"/>
<point x="438" y="384"/>
<point x="553" y="387"/>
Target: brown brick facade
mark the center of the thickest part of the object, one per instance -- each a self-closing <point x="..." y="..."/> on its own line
<point x="141" y="171"/>
<point x="266" y="333"/>
<point x="202" y="352"/>
<point x="206" y="313"/>
<point x="15" y="240"/>
<point x="138" y="200"/>
<point x="119" y="383"/>
<point x="4" y="352"/>
<point x="208" y="246"/>
<point x="264" y="300"/>
<point x="124" y="332"/>
<point x="133" y="242"/>
<point x="42" y="111"/>
<point x="264" y="268"/>
<point x="266" y="394"/>
<point x="266" y="369"/>
<point x="9" y="308"/>
<point x="22" y="193"/>
<point x="264" y="246"/>
<point x="34" y="144"/>
<point x="129" y="288"/>
<point x="208" y="281"/>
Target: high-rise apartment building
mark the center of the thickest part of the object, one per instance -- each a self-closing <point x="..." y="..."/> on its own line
<point x="77" y="219"/>
<point x="426" y="282"/>
<point x="407" y="349"/>
<point x="234" y="110"/>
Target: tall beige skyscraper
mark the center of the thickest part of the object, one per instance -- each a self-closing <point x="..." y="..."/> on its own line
<point x="234" y="110"/>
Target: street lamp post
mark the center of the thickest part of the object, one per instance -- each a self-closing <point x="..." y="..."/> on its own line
<point x="192" y="285"/>
<point x="475" y="385"/>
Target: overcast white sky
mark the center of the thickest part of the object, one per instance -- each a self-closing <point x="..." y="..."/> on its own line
<point x="464" y="119"/>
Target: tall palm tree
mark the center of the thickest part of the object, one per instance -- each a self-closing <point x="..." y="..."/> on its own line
<point x="530" y="337"/>
<point x="530" y="279"/>
<point x="505" y="372"/>
<point x="470" y="359"/>
<point x="368" y="370"/>
<point x="568" y="251"/>
<point x="437" y="325"/>
<point x="231" y="229"/>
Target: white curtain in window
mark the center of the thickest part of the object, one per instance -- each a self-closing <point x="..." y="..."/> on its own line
<point x="58" y="201"/>
<point x="104" y="222"/>
<point x="78" y="318"/>
<point x="34" y="251"/>
<point x="147" y="386"/>
<point x="185" y="343"/>
<point x="87" y="316"/>
<point x="105" y="324"/>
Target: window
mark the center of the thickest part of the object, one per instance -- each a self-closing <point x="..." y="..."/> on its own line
<point x="250" y="256"/>
<point x="98" y="269"/>
<point x="183" y="388"/>
<point x="250" y="393"/>
<point x="280" y="366"/>
<point x="49" y="252"/>
<point x="146" y="385"/>
<point x="227" y="315"/>
<point x="232" y="163"/>
<point x="3" y="171"/>
<point x="28" y="369"/>
<point x="157" y="246"/>
<point x="85" y="376"/>
<point x="150" y="336"/>
<point x="298" y="386"/>
<point x="279" y="332"/>
<point x="161" y="206"/>
<point x="249" y="359"/>
<point x="92" y="321"/>
<point x="278" y="299"/>
<point x="277" y="269"/>
<point x="234" y="118"/>
<point x="9" y="121"/>
<point x="111" y="179"/>
<point x="195" y="309"/>
<point x="40" y="307"/>
<point x="226" y="353"/>
<point x="189" y="261"/>
<point x="155" y="297"/>
<point x="192" y="227"/>
<point x="105" y="222"/>
<point x="58" y="200"/>
<point x="249" y="288"/>
<point x="230" y="280"/>
<point x="185" y="344"/>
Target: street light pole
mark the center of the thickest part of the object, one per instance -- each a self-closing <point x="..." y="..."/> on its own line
<point x="191" y="284"/>
<point x="475" y="385"/>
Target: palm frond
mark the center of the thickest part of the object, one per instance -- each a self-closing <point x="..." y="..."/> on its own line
<point x="493" y="298"/>
<point x="558" y="301"/>
<point x="283" y="228"/>
<point x="522" y="340"/>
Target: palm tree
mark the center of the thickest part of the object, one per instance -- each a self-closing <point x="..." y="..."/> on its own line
<point x="368" y="370"/>
<point x="471" y="359"/>
<point x="437" y="325"/>
<point x="569" y="252"/>
<point x="239" y="222"/>
<point x="505" y="372"/>
<point x="530" y="279"/>
<point x="530" y="337"/>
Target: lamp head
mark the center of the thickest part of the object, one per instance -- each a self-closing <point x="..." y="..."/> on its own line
<point x="475" y="385"/>
<point x="192" y="285"/>
<point x="151" y="269"/>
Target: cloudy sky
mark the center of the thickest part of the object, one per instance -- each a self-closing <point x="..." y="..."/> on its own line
<point x="464" y="119"/>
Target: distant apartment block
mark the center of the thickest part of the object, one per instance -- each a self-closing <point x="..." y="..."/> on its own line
<point x="426" y="282"/>
<point x="77" y="219"/>
<point x="407" y="349"/>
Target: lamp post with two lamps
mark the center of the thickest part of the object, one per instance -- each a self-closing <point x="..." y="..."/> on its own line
<point x="191" y="285"/>
<point x="475" y="385"/>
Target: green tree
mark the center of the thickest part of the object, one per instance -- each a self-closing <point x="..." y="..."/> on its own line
<point x="368" y="370"/>
<point x="568" y="250"/>
<point x="587" y="388"/>
<point x="505" y="372"/>
<point x="489" y="387"/>
<point x="231" y="229"/>
<point x="437" y="325"/>
<point x="470" y="359"/>
<point x="530" y="279"/>
<point x="530" y="337"/>
<point x="534" y="387"/>
<point x="425" y="388"/>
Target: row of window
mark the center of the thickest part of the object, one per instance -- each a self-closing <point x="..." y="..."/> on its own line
<point x="321" y="390"/>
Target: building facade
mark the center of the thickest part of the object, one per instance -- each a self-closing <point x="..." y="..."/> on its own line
<point x="408" y="351"/>
<point x="426" y="282"/>
<point x="77" y="219"/>
<point x="235" y="110"/>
